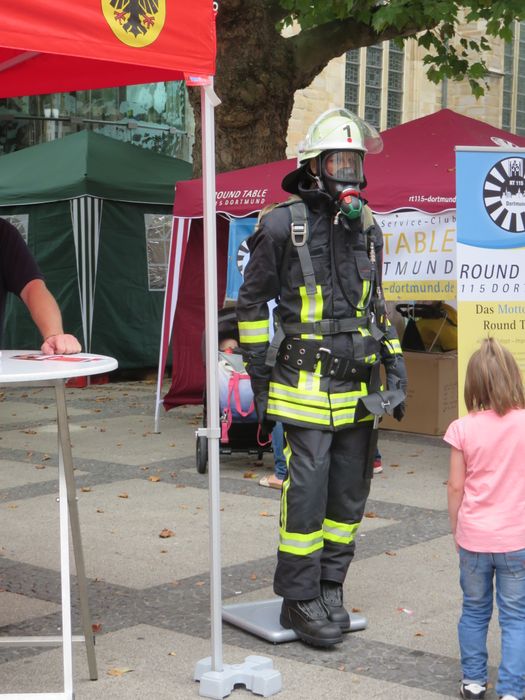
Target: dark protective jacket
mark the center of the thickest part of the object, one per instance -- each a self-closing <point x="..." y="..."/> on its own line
<point x="346" y="282"/>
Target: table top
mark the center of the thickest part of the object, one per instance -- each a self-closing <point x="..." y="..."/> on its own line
<point x="34" y="366"/>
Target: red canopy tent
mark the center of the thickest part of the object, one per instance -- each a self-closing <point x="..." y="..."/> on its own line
<point x="415" y="170"/>
<point x="63" y="46"/>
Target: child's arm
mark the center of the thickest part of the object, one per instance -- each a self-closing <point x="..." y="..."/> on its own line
<point x="455" y="487"/>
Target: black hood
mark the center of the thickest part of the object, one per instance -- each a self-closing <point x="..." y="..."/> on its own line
<point x="291" y="181"/>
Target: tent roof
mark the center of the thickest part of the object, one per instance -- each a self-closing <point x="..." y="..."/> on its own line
<point x="415" y="170"/>
<point x="239" y="192"/>
<point x="417" y="167"/>
<point x="89" y="163"/>
<point x="66" y="46"/>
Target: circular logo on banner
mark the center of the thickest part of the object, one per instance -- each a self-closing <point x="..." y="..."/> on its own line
<point x="504" y="194"/>
<point x="135" y="22"/>
<point x="243" y="255"/>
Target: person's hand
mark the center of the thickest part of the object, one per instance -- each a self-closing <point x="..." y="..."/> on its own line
<point x="61" y="344"/>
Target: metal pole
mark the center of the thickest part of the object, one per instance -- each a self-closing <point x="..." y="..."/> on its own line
<point x="212" y="383"/>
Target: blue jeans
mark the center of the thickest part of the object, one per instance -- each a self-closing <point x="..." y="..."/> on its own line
<point x="279" y="462"/>
<point x="477" y="572"/>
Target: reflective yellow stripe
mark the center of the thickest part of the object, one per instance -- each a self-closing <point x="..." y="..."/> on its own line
<point x="284" y="410"/>
<point x="346" y="416"/>
<point x="309" y="382"/>
<point x="293" y="395"/>
<point x="347" y="398"/>
<point x="286" y="485"/>
<point x="254" y="331"/>
<point x="393" y="346"/>
<point x="311" y="309"/>
<point x="361" y="302"/>
<point x="339" y="532"/>
<point x="299" y="543"/>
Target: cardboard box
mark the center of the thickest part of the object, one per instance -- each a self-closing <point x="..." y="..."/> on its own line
<point x="432" y="401"/>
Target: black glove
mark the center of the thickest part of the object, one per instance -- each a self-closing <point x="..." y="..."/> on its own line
<point x="399" y="411"/>
<point x="260" y="399"/>
<point x="398" y="384"/>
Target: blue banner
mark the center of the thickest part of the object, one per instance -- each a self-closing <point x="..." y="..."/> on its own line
<point x="238" y="254"/>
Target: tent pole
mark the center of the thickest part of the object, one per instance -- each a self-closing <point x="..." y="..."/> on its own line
<point x="212" y="383"/>
<point x="257" y="672"/>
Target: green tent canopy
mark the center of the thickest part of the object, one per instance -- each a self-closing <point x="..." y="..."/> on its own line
<point x="96" y="213"/>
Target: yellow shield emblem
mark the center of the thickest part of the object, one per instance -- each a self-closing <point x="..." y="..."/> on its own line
<point x="135" y="22"/>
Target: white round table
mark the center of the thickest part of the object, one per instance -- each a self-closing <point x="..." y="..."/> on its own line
<point x="28" y="367"/>
<point x="15" y="368"/>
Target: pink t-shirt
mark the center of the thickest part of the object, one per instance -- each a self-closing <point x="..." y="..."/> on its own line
<point x="491" y="517"/>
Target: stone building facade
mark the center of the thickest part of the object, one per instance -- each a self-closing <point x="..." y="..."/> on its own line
<point x="419" y="98"/>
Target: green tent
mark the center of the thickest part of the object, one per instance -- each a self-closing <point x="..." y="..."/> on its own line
<point x="96" y="213"/>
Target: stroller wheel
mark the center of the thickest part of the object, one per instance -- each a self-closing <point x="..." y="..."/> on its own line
<point x="201" y="454"/>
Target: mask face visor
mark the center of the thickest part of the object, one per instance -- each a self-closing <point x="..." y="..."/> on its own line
<point x="344" y="167"/>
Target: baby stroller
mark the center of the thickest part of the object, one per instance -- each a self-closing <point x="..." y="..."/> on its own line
<point x="238" y="419"/>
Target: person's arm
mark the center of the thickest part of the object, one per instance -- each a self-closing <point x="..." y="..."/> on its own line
<point x="455" y="486"/>
<point x="48" y="319"/>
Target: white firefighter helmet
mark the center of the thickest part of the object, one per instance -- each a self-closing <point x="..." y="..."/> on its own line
<point x="336" y="130"/>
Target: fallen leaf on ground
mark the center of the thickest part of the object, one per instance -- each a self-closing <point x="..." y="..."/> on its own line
<point x="419" y="634"/>
<point x="123" y="495"/>
<point x="96" y="627"/>
<point x="265" y="514"/>
<point x="172" y="653"/>
<point x="394" y="466"/>
<point x="249" y="475"/>
<point x="253" y="577"/>
<point x="100" y="510"/>
<point x="391" y="554"/>
<point x="118" y="671"/>
<point x="29" y="432"/>
<point x="12" y="506"/>
<point x="45" y="458"/>
<point x="370" y="514"/>
<point x="356" y="610"/>
<point x="153" y="478"/>
<point x="200" y="583"/>
<point x="341" y="667"/>
<point x="40" y="466"/>
<point x="85" y="489"/>
<point x="166" y="533"/>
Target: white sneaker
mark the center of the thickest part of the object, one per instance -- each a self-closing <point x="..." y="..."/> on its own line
<point x="509" y="697"/>
<point x="472" y="691"/>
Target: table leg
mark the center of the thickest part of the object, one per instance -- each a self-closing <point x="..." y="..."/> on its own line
<point x="66" y="457"/>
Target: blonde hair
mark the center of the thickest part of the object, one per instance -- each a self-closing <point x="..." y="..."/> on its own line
<point x="493" y="379"/>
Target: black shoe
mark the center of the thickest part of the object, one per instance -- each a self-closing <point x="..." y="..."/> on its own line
<point x="309" y="620"/>
<point x="332" y="596"/>
<point x="472" y="691"/>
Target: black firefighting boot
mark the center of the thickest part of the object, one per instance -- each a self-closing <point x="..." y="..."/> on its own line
<point x="309" y="620"/>
<point x="332" y="597"/>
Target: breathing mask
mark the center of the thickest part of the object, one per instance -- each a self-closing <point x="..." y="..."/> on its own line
<point x="341" y="175"/>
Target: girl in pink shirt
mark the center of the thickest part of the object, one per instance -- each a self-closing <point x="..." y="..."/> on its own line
<point x="486" y="505"/>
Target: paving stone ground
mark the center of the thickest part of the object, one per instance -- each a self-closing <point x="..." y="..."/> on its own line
<point x="150" y="596"/>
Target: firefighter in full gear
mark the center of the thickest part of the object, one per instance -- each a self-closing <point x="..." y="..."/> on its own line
<point x="319" y="254"/>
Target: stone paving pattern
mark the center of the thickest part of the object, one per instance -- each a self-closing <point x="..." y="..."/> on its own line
<point x="150" y="596"/>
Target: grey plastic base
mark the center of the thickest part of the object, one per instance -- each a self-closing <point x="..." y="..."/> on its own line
<point x="261" y="618"/>
<point x="256" y="674"/>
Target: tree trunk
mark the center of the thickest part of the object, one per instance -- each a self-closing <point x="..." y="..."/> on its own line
<point x="255" y="84"/>
<point x="259" y="72"/>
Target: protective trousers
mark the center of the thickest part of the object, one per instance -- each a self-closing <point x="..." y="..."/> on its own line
<point x="322" y="505"/>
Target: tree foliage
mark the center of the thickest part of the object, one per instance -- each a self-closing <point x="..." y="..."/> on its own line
<point x="261" y="63"/>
